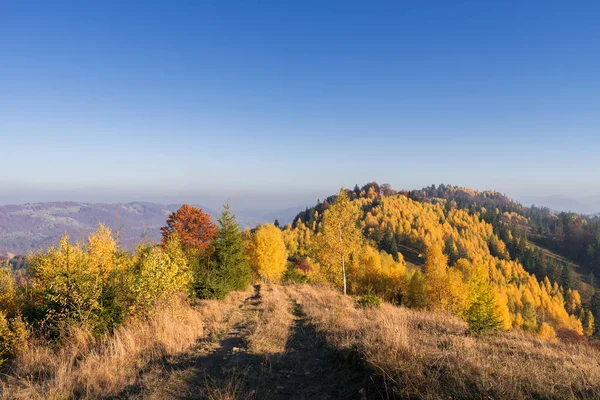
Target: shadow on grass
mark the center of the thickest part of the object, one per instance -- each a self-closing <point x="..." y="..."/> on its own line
<point x="308" y="369"/>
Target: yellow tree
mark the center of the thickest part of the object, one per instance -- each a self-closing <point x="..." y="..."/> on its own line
<point x="340" y="236"/>
<point x="158" y="272"/>
<point x="102" y="249"/>
<point x="446" y="290"/>
<point x="7" y="292"/>
<point x="66" y="283"/>
<point x="436" y="278"/>
<point x="268" y="253"/>
<point x="415" y="295"/>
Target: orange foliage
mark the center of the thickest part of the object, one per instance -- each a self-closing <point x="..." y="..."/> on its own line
<point x="194" y="228"/>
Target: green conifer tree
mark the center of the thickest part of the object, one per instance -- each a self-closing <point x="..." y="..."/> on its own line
<point x="229" y="269"/>
<point x="481" y="314"/>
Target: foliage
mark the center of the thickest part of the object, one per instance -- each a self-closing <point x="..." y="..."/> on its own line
<point x="369" y="301"/>
<point x="469" y="269"/>
<point x="339" y="238"/>
<point x="229" y="269"/>
<point x="414" y="290"/>
<point x="8" y="294"/>
<point x="293" y="275"/>
<point x="481" y="314"/>
<point x="66" y="286"/>
<point x="14" y="336"/>
<point x="546" y="332"/>
<point x="194" y="228"/>
<point x="267" y="252"/>
<point x="156" y="274"/>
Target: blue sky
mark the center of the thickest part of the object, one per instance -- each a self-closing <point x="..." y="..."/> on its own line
<point x="181" y="101"/>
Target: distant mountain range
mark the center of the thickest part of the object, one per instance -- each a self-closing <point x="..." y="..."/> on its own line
<point x="583" y="205"/>
<point x="30" y="227"/>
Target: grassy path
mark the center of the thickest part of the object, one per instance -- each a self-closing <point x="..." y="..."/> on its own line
<point x="271" y="352"/>
<point x="215" y="368"/>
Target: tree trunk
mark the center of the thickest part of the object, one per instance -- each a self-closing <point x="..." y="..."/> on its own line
<point x="344" y="274"/>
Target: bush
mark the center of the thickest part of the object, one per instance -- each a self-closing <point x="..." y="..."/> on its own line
<point x="570" y="336"/>
<point x="546" y="332"/>
<point x="293" y="275"/>
<point x="369" y="301"/>
<point x="14" y="336"/>
<point x="157" y="273"/>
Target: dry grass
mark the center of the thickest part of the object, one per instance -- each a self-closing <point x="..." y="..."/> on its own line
<point x="230" y="389"/>
<point x="87" y="367"/>
<point x="273" y="324"/>
<point x="431" y="356"/>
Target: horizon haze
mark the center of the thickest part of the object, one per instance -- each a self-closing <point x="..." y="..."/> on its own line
<point x="117" y="102"/>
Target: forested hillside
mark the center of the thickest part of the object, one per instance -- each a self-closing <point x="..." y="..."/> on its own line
<point x="454" y="239"/>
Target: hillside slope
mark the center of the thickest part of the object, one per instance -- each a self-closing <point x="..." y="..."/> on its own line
<point x="451" y="239"/>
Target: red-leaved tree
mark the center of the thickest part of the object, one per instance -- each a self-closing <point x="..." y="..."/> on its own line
<point x="194" y="227"/>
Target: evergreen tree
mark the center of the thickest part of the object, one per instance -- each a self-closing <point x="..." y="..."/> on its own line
<point x="229" y="269"/>
<point x="595" y="309"/>
<point x="587" y="321"/>
<point x="565" y="277"/>
<point x="389" y="245"/>
<point x="481" y="314"/>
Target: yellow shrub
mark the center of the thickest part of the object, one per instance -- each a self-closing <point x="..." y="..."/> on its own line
<point x="14" y="336"/>
<point x="546" y="332"/>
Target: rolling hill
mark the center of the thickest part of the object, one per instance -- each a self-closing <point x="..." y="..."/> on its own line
<point x="29" y="227"/>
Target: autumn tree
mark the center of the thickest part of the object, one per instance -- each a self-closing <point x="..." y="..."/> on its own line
<point x="587" y="321"/>
<point x="194" y="228"/>
<point x="102" y="249"/>
<point x="446" y="290"/>
<point x="68" y="287"/>
<point x="8" y="296"/>
<point x="14" y="336"/>
<point x="340" y="236"/>
<point x="156" y="274"/>
<point x="268" y="254"/>
<point x="414" y="294"/>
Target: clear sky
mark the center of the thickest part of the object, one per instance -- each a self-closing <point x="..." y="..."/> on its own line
<point x="176" y="101"/>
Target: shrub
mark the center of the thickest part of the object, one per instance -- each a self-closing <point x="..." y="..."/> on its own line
<point x="369" y="301"/>
<point x="546" y="332"/>
<point x="570" y="336"/>
<point x="157" y="273"/>
<point x="14" y="337"/>
<point x="66" y="286"/>
<point x="293" y="275"/>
